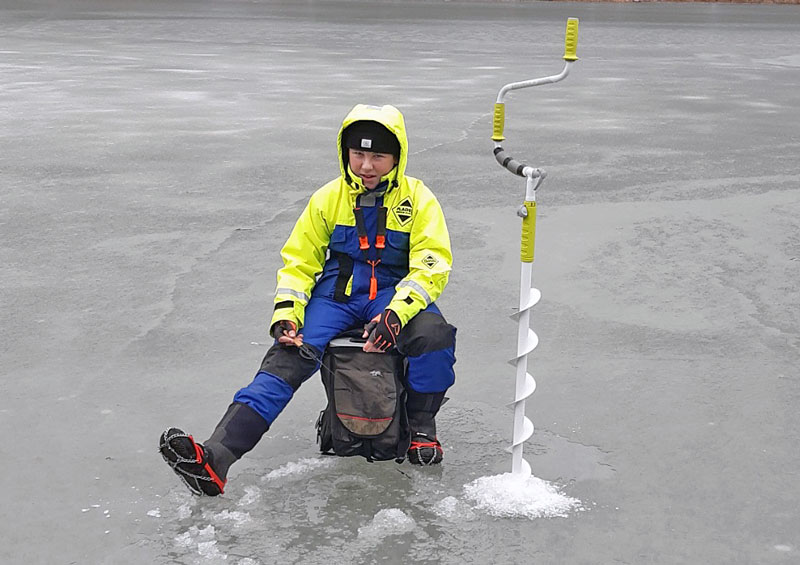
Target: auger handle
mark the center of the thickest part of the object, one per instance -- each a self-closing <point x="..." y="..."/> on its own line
<point x="571" y="40"/>
<point x="499" y="115"/>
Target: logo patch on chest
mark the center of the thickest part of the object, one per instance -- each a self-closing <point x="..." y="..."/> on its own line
<point x="403" y="211"/>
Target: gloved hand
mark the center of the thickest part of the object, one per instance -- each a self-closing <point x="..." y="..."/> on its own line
<point x="285" y="331"/>
<point x="381" y="332"/>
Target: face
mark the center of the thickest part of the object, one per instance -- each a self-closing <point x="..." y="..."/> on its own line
<point x="370" y="167"/>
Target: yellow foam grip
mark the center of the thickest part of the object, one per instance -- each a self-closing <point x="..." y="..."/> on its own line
<point x="571" y="40"/>
<point x="498" y="123"/>
<point x="528" y="233"/>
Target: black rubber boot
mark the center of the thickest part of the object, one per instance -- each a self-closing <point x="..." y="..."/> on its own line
<point x="422" y="408"/>
<point x="204" y="467"/>
<point x="239" y="430"/>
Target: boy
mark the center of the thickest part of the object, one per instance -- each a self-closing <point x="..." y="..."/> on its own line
<point x="371" y="247"/>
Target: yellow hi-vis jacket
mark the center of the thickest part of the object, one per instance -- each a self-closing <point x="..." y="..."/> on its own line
<point x="323" y="244"/>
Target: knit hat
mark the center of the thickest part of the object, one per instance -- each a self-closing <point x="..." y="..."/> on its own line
<point x="371" y="136"/>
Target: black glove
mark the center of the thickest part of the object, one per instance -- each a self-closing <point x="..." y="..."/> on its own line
<point x="383" y="330"/>
<point x="282" y="327"/>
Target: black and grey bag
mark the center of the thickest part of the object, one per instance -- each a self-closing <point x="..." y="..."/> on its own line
<point x="366" y="411"/>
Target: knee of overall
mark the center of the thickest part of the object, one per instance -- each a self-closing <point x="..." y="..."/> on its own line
<point x="424" y="333"/>
<point x="428" y="342"/>
<point x="286" y="363"/>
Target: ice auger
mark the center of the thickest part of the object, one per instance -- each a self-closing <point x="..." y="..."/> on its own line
<point x="527" y="340"/>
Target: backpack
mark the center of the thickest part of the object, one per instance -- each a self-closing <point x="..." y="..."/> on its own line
<point x="366" y="411"/>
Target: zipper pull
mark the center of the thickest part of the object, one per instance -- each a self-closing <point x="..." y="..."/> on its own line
<point x="373" y="282"/>
<point x="373" y="288"/>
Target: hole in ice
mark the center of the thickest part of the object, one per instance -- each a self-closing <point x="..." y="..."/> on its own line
<point x="515" y="495"/>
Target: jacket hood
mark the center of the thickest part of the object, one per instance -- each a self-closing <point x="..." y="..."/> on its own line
<point x="391" y="118"/>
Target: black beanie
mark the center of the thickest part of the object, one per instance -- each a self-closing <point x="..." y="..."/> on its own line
<point x="371" y="136"/>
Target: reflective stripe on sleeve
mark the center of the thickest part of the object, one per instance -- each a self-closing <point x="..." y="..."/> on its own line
<point x="416" y="287"/>
<point x="301" y="295"/>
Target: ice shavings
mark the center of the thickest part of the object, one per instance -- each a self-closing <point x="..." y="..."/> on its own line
<point x="204" y="540"/>
<point x="209" y="550"/>
<point x="251" y="495"/>
<point x="184" y="511"/>
<point x="387" y="522"/>
<point x="516" y="495"/>
<point x="236" y="517"/>
<point x="453" y="509"/>
<point x="155" y="513"/>
<point x="299" y="467"/>
<point x="184" y="540"/>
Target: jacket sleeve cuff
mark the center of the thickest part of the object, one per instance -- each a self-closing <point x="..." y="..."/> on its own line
<point x="289" y="310"/>
<point x="406" y="305"/>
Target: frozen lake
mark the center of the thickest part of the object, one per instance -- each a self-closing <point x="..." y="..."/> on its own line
<point x="154" y="156"/>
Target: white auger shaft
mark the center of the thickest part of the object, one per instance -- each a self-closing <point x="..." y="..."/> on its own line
<point x="527" y="340"/>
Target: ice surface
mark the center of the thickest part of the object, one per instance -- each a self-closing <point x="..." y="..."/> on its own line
<point x="516" y="495"/>
<point x="143" y="211"/>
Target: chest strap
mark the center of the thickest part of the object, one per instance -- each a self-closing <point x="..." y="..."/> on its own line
<point x="363" y="241"/>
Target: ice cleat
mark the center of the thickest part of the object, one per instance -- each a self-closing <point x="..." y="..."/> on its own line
<point x="191" y="463"/>
<point x="425" y="450"/>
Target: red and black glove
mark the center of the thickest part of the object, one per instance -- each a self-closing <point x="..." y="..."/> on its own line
<point x="382" y="331"/>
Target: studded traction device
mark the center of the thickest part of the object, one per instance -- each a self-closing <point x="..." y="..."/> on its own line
<point x="425" y="450"/>
<point x="189" y="461"/>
